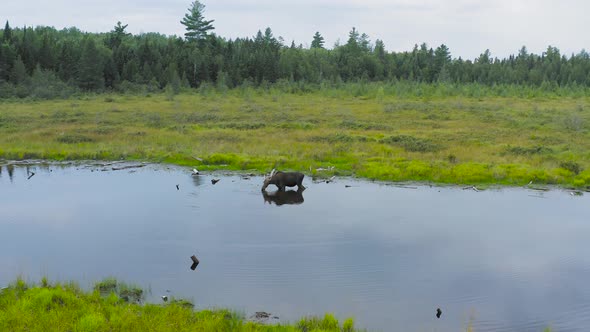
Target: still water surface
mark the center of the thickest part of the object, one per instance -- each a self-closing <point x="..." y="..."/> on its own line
<point x="502" y="260"/>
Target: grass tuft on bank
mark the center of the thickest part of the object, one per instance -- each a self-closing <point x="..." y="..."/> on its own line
<point x="66" y="307"/>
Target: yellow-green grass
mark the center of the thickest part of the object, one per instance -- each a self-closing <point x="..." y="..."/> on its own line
<point x="441" y="139"/>
<point x="66" y="307"/>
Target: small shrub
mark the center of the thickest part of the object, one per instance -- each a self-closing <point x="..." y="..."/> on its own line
<point x="339" y="138"/>
<point x="249" y="108"/>
<point x="74" y="139"/>
<point x="452" y="158"/>
<point x="348" y="325"/>
<point x="571" y="166"/>
<point x="154" y="120"/>
<point x="182" y="303"/>
<point x="130" y="294"/>
<point x="243" y="126"/>
<point x="352" y="124"/>
<point x="573" y="123"/>
<point x="197" y="117"/>
<point x="411" y="143"/>
<point x="527" y="151"/>
<point x="107" y="285"/>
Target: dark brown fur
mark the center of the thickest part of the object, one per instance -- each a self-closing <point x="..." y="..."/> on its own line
<point x="285" y="179"/>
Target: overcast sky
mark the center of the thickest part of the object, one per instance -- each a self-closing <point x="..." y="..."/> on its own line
<point x="467" y="27"/>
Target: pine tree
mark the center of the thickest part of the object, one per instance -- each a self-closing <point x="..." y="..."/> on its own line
<point x="117" y="35"/>
<point x="90" y="69"/>
<point x="7" y="56"/>
<point x="7" y="36"/>
<point x="46" y="53"/>
<point x="195" y="23"/>
<point x="18" y="74"/>
<point x="318" y="41"/>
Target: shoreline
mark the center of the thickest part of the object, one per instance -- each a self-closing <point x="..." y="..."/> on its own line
<point x="113" y="305"/>
<point x="319" y="178"/>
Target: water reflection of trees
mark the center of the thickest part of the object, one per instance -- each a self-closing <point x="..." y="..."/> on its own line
<point x="283" y="197"/>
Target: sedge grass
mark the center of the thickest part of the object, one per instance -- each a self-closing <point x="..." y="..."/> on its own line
<point x="66" y="307"/>
<point x="458" y="139"/>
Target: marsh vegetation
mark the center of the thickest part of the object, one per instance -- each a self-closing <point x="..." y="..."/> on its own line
<point x="66" y="306"/>
<point x="391" y="132"/>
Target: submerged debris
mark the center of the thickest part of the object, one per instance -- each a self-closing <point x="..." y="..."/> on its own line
<point x="262" y="317"/>
<point x="261" y="314"/>
<point x="331" y="168"/>
<point x="195" y="262"/>
<point x="127" y="167"/>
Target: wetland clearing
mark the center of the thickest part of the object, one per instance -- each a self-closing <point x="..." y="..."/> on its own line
<point x="444" y="137"/>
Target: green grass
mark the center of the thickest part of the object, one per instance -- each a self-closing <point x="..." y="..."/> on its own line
<point x="66" y="307"/>
<point x="386" y="134"/>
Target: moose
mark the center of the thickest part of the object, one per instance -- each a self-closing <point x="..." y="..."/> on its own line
<point x="284" y="179"/>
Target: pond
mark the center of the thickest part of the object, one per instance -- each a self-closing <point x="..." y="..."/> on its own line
<point x="509" y="259"/>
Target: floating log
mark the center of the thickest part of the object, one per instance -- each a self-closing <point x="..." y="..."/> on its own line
<point x="126" y="167"/>
<point x="404" y="187"/>
<point x="537" y="196"/>
<point x="195" y="262"/>
<point x="538" y="189"/>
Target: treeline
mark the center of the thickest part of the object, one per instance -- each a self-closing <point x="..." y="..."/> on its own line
<point x="44" y="62"/>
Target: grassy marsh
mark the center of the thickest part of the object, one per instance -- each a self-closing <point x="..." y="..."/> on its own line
<point x="66" y="307"/>
<point x="455" y="138"/>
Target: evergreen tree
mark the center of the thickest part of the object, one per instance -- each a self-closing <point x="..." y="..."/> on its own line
<point x="318" y="41"/>
<point x="46" y="53"/>
<point x="7" y="56"/>
<point x="68" y="61"/>
<point x="195" y="23"/>
<point x="7" y="36"/>
<point x="117" y="35"/>
<point x="18" y="74"/>
<point x="90" y="68"/>
<point x="353" y="37"/>
<point x="442" y="58"/>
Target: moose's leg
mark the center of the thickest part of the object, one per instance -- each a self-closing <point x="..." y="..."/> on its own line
<point x="300" y="186"/>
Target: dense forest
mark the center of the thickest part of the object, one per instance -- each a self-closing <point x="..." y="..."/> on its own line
<point x="44" y="62"/>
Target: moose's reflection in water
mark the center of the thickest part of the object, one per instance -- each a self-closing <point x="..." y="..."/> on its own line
<point x="283" y="197"/>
